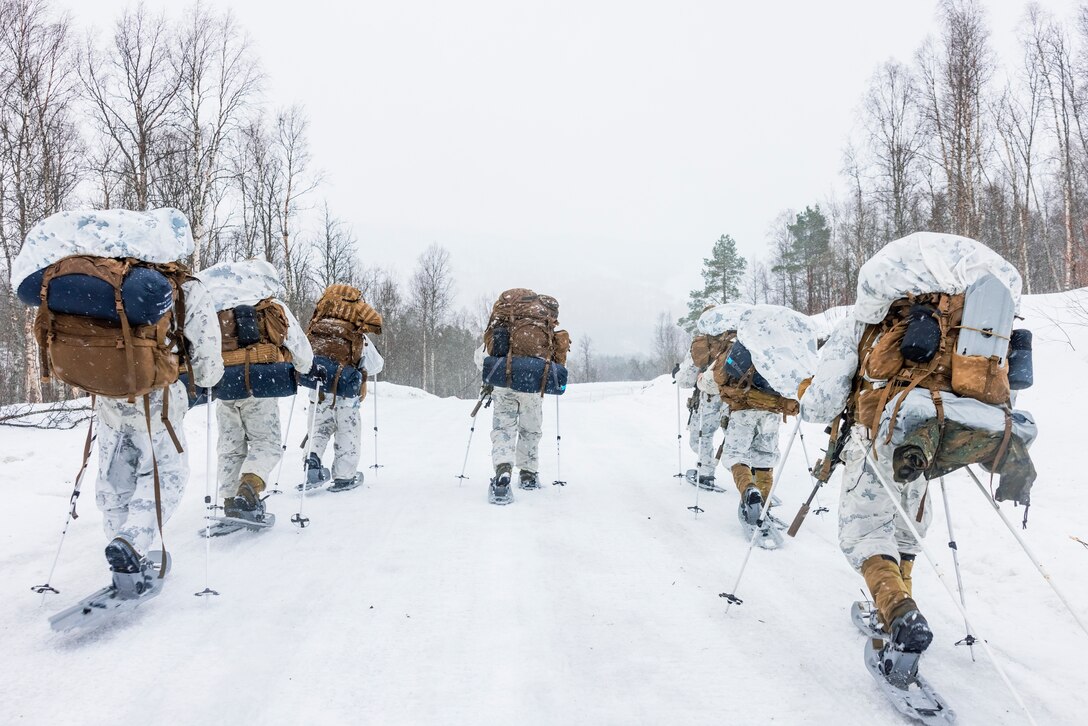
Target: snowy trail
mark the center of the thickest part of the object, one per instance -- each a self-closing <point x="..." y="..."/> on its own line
<point x="412" y="601"/>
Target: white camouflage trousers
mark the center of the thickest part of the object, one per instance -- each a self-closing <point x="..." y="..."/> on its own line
<point x="702" y="427"/>
<point x="249" y="440"/>
<point x="342" y="424"/>
<point x="125" y="491"/>
<point x="516" y="425"/>
<point x="752" y="438"/>
<point x="868" y="522"/>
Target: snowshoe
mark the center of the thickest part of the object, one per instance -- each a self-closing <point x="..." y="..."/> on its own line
<point x="769" y="530"/>
<point x="343" y="485"/>
<point x="219" y="526"/>
<point x="499" y="491"/>
<point x="895" y="669"/>
<point x="316" y="475"/>
<point x="127" y="591"/>
<point x="706" y="483"/>
<point x="528" y="480"/>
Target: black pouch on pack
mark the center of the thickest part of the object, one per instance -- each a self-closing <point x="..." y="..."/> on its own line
<point x="1021" y="373"/>
<point x="739" y="362"/>
<point x="245" y="318"/>
<point x="922" y="338"/>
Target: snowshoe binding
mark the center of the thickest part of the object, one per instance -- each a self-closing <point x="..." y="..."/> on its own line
<point x="528" y="480"/>
<point x="500" y="491"/>
<point x="135" y="580"/>
<point x="317" y="476"/>
<point x="769" y="529"/>
<point x="892" y="659"/>
<point x="706" y="483"/>
<point x="245" y="510"/>
<point x="343" y="485"/>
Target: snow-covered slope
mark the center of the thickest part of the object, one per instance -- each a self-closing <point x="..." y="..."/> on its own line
<point x="413" y="601"/>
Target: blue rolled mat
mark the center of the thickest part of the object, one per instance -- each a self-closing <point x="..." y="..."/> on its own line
<point x="146" y="293"/>
<point x="525" y="374"/>
<point x="268" y="380"/>
<point x="351" y="378"/>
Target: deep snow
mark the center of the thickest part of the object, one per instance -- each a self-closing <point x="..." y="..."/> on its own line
<point x="411" y="600"/>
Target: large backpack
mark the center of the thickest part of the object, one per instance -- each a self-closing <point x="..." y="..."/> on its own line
<point x="705" y="349"/>
<point x="742" y="387"/>
<point x="116" y="358"/>
<point x="336" y="332"/>
<point x="523" y="325"/>
<point x="253" y="339"/>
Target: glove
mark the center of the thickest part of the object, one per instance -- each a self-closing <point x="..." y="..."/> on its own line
<point x="318" y="373"/>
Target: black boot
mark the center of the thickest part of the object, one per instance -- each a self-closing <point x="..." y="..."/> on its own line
<point x="499" y="490"/>
<point x="315" y="473"/>
<point x="751" y="505"/>
<point x="910" y="632"/>
<point x="528" y="480"/>
<point x="123" y="557"/>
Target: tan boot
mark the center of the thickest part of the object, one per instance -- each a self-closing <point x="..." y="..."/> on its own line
<point x="764" y="480"/>
<point x="906" y="567"/>
<point x="255" y="482"/>
<point x="742" y="476"/>
<point x="890" y="594"/>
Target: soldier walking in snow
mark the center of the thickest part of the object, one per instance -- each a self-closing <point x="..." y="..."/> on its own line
<point x="122" y="320"/>
<point x="262" y="341"/>
<point x="345" y="355"/>
<point x="774" y="350"/>
<point x="523" y="356"/>
<point x="918" y="378"/>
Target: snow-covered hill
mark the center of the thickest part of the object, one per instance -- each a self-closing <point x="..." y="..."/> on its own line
<point x="413" y="601"/>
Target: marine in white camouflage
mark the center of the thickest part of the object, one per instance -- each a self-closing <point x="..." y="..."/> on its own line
<point x="249" y="428"/>
<point x="125" y="487"/>
<point x="341" y="422"/>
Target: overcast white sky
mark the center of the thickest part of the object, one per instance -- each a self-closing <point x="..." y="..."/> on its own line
<point x="590" y="149"/>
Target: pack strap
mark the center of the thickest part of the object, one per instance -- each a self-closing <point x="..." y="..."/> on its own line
<point x="336" y="382"/>
<point x="155" y="472"/>
<point x="987" y="333"/>
<point x="126" y="333"/>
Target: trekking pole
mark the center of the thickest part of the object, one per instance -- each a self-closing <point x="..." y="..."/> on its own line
<point x="211" y="487"/>
<point x="298" y="519"/>
<point x="679" y="435"/>
<point x="1079" y="540"/>
<point x="558" y="458"/>
<point x="968" y="640"/>
<point x="894" y="495"/>
<point x="48" y="588"/>
<point x="696" y="509"/>
<point x="731" y="597"/>
<point x="485" y="394"/>
<point x="1027" y="551"/>
<point x="376" y="465"/>
<point x="283" y="448"/>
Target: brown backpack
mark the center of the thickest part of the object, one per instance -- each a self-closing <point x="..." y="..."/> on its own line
<point x="341" y="318"/>
<point x="106" y="358"/>
<point x="530" y="320"/>
<point x="705" y="349"/>
<point x="740" y="393"/>
<point x="271" y="327"/>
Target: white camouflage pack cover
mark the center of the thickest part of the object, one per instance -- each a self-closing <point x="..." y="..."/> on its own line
<point x="782" y="343"/>
<point x="926" y="262"/>
<point x="245" y="282"/>
<point x="721" y="318"/>
<point x="159" y="235"/>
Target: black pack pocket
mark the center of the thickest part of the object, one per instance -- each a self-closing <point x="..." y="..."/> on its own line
<point x="245" y="320"/>
<point x="922" y="339"/>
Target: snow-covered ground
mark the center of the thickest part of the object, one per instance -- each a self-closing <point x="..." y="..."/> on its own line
<point x="414" y="601"/>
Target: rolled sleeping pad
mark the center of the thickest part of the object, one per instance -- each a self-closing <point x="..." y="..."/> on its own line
<point x="146" y="294"/>
<point x="349" y="385"/>
<point x="739" y="362"/>
<point x="268" y="380"/>
<point x="525" y="374"/>
<point x="1021" y="371"/>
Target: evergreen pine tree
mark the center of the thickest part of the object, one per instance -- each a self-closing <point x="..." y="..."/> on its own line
<point x="722" y="273"/>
